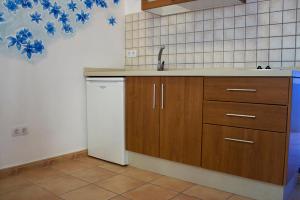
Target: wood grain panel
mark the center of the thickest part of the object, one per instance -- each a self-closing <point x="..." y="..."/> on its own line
<point x="263" y="160"/>
<point x="149" y="4"/>
<point x="181" y="119"/>
<point x="268" y="90"/>
<point x="267" y="117"/>
<point x="142" y="121"/>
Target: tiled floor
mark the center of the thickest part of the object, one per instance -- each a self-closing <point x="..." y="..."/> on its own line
<point x="92" y="179"/>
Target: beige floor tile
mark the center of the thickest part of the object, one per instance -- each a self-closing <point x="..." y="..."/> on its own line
<point x="38" y="175"/>
<point x="120" y="184"/>
<point x="114" y="167"/>
<point x="172" y="183"/>
<point x="62" y="184"/>
<point x="150" y="192"/>
<point x="92" y="161"/>
<point x="119" y="198"/>
<point x="29" y="193"/>
<point x="71" y="166"/>
<point x="13" y="183"/>
<point x="236" y="197"/>
<point x="141" y="175"/>
<point x="206" y="193"/>
<point x="184" y="197"/>
<point x="90" y="192"/>
<point x="92" y="175"/>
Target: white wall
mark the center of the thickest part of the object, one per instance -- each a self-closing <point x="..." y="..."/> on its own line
<point x="132" y="6"/>
<point x="49" y="96"/>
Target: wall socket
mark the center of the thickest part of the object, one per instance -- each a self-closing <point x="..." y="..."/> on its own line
<point x="132" y="53"/>
<point x="20" y="131"/>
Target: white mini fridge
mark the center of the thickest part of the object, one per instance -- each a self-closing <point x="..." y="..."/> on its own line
<point x="106" y="119"/>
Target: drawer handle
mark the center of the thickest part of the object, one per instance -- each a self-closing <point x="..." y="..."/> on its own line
<point x="162" y="95"/>
<point x="238" y="140"/>
<point x="239" y="115"/>
<point x="154" y="96"/>
<point x="240" y="90"/>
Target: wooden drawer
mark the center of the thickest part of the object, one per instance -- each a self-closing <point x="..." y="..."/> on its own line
<point x="245" y="115"/>
<point x="244" y="152"/>
<point x="252" y="90"/>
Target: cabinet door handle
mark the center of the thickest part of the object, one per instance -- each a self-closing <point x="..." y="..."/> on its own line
<point x="240" y="90"/>
<point x="154" y="96"/>
<point x="238" y="140"/>
<point x="162" y="95"/>
<point x="240" y="115"/>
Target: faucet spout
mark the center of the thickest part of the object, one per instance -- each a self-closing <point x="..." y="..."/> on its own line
<point x="160" y="64"/>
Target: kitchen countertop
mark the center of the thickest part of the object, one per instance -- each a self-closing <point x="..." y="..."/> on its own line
<point x="106" y="72"/>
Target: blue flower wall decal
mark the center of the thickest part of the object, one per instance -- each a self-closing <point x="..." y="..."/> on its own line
<point x="2" y="19"/>
<point x="67" y="28"/>
<point x="36" y="17"/>
<point x="11" y="5"/>
<point x="101" y="3"/>
<point x="24" y="3"/>
<point x="50" y="28"/>
<point x="22" y="42"/>
<point x="89" y="3"/>
<point x="116" y="2"/>
<point x="64" y="18"/>
<point x="46" y="4"/>
<point x="112" y="20"/>
<point x="82" y="17"/>
<point x="54" y="17"/>
<point x="20" y="39"/>
<point x="28" y="49"/>
<point x="55" y="10"/>
<point x="72" y="6"/>
<point x="36" y="47"/>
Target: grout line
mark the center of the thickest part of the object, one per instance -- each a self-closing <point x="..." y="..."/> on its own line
<point x="189" y="63"/>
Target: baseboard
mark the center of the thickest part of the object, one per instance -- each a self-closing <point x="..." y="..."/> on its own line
<point x="41" y="163"/>
<point x="245" y="187"/>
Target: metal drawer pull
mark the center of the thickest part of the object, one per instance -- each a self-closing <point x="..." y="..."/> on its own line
<point x="240" y="90"/>
<point x="162" y="96"/>
<point x="238" y="140"/>
<point x="154" y="96"/>
<point x="239" y="115"/>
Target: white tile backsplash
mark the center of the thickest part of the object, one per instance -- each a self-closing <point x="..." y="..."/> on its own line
<point x="261" y="32"/>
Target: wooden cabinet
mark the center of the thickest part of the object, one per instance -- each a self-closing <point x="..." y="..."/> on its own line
<point x="164" y="117"/>
<point x="142" y="115"/>
<point x="234" y="125"/>
<point x="149" y="4"/>
<point x="247" y="89"/>
<point x="244" y="152"/>
<point x="246" y="126"/>
<point x="246" y="115"/>
<point x="181" y="119"/>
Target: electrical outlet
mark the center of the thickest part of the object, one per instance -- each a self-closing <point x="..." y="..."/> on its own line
<point x="132" y="53"/>
<point x="20" y="131"/>
<point x="25" y="131"/>
<point x="17" y="132"/>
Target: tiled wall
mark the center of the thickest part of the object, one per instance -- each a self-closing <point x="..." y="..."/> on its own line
<point x="243" y="36"/>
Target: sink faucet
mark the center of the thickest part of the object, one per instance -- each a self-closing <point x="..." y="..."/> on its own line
<point x="160" y="65"/>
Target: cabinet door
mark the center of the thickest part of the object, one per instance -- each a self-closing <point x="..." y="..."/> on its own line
<point x="142" y="115"/>
<point x="244" y="152"/>
<point x="149" y="4"/>
<point x="181" y="119"/>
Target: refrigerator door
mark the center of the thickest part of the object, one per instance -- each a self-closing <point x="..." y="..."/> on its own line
<point x="106" y="120"/>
